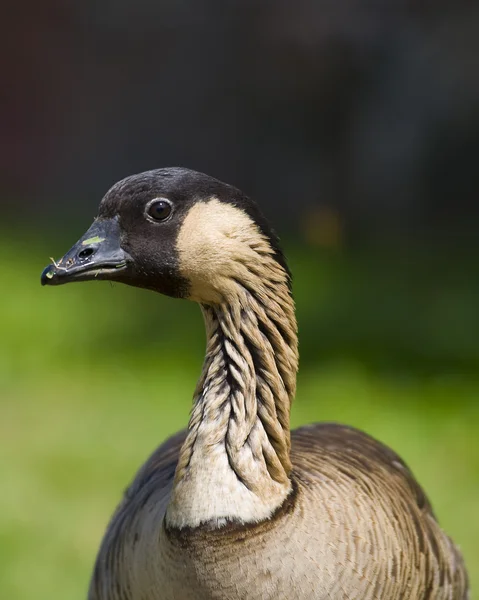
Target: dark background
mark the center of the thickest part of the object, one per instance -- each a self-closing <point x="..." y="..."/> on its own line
<point x="355" y="125"/>
<point x="365" y="108"/>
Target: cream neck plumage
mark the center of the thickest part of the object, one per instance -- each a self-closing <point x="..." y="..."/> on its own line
<point x="234" y="464"/>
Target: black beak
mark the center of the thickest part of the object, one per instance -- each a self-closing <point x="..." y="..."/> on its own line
<point x="97" y="255"/>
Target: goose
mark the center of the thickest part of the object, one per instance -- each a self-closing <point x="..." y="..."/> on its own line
<point x="237" y="506"/>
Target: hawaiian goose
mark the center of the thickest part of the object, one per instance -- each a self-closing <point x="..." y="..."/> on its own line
<point x="237" y="506"/>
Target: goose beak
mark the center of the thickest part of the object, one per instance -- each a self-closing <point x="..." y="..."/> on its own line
<point x="96" y="255"/>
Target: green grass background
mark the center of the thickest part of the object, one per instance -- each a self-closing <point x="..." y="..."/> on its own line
<point x="93" y="378"/>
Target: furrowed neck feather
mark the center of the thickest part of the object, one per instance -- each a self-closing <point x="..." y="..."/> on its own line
<point x="235" y="462"/>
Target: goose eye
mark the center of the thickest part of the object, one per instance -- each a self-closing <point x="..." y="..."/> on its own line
<point x="159" y="210"/>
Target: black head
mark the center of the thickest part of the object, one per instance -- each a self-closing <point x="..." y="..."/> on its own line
<point x="165" y="230"/>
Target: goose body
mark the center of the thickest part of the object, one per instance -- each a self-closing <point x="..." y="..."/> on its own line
<point x="357" y="525"/>
<point x="237" y="506"/>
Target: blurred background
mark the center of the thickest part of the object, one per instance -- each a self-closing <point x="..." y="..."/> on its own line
<point x="355" y="125"/>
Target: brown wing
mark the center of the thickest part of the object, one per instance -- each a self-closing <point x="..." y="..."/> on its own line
<point x="154" y="477"/>
<point x="160" y="467"/>
<point x="328" y="452"/>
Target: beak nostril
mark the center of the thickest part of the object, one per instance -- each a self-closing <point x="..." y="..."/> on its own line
<point x="86" y="252"/>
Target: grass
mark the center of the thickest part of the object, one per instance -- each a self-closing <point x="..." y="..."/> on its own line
<point x="93" y="378"/>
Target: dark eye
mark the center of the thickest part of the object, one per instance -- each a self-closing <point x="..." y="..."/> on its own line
<point x="159" y="210"/>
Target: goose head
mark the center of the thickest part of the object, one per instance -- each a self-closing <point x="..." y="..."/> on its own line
<point x="175" y="231"/>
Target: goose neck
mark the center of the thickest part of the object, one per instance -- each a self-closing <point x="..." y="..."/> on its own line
<point x="235" y="463"/>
